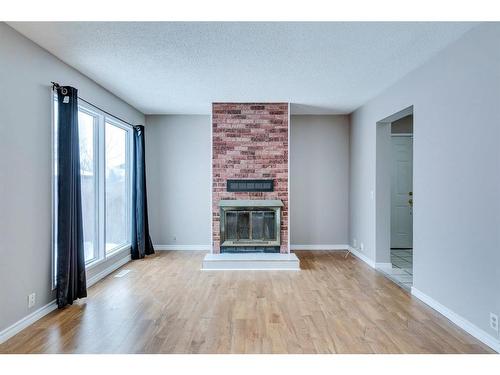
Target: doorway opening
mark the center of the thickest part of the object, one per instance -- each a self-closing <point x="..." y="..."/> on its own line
<point x="394" y="184"/>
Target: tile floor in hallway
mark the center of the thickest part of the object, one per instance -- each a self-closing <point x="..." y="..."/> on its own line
<point x="402" y="267"/>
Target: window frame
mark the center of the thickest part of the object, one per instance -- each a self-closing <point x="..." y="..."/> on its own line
<point x="128" y="178"/>
<point x="97" y="178"/>
<point x="99" y="145"/>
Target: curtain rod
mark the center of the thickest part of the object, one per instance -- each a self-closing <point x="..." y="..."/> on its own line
<point x="57" y="85"/>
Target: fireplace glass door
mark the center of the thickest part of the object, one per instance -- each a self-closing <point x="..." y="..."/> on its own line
<point x="263" y="225"/>
<point x="250" y="226"/>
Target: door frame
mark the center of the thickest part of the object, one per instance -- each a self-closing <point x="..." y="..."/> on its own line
<point x="383" y="163"/>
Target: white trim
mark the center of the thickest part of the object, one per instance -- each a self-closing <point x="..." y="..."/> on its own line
<point x="463" y="323"/>
<point x="398" y="115"/>
<point x="121" y="249"/>
<point x="25" y="322"/>
<point x="367" y="260"/>
<point x="116" y="253"/>
<point x="319" y="247"/>
<point x="100" y="155"/>
<point x="183" y="247"/>
<point x="105" y="272"/>
<point x="361" y="256"/>
<point x="17" y="327"/>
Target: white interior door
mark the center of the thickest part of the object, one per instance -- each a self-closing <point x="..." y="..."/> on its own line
<point x="402" y="192"/>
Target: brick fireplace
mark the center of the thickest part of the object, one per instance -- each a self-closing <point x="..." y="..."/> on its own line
<point x="250" y="141"/>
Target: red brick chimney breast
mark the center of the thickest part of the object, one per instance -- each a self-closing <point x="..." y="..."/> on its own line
<point x="249" y="141"/>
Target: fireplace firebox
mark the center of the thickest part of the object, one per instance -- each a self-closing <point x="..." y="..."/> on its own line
<point x="250" y="226"/>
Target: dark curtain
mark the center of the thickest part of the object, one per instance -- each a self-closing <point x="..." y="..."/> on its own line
<point x="71" y="278"/>
<point x="141" y="240"/>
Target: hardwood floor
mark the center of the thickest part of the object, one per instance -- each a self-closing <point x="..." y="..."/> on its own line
<point x="167" y="305"/>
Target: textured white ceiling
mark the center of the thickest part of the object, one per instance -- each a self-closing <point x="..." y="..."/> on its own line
<point x="177" y="67"/>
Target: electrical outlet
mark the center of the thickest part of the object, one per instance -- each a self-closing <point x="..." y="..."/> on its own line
<point x="361" y="246"/>
<point x="175" y="238"/>
<point x="31" y="300"/>
<point x="354" y="243"/>
<point x="494" y="322"/>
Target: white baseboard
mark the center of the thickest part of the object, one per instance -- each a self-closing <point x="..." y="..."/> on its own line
<point x="319" y="247"/>
<point x="44" y="310"/>
<point x="17" y="327"/>
<point x="113" y="267"/>
<point x="463" y="323"/>
<point x="362" y="256"/>
<point x="183" y="247"/>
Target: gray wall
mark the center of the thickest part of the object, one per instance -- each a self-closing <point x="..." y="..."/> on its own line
<point x="178" y="152"/>
<point x="178" y="155"/>
<point x="319" y="180"/>
<point x="25" y="166"/>
<point x="456" y="181"/>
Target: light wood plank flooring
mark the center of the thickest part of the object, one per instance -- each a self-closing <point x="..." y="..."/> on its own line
<point x="167" y="305"/>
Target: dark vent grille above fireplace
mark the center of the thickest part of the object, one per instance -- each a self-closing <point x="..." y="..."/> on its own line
<point x="250" y="185"/>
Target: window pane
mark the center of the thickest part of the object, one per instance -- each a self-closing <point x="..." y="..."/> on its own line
<point x="117" y="202"/>
<point x="88" y="183"/>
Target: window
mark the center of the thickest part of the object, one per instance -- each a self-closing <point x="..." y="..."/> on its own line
<point x="105" y="162"/>
<point x="87" y="124"/>
<point x="117" y="187"/>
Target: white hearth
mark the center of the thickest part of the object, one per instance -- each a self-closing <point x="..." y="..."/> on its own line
<point x="251" y="261"/>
